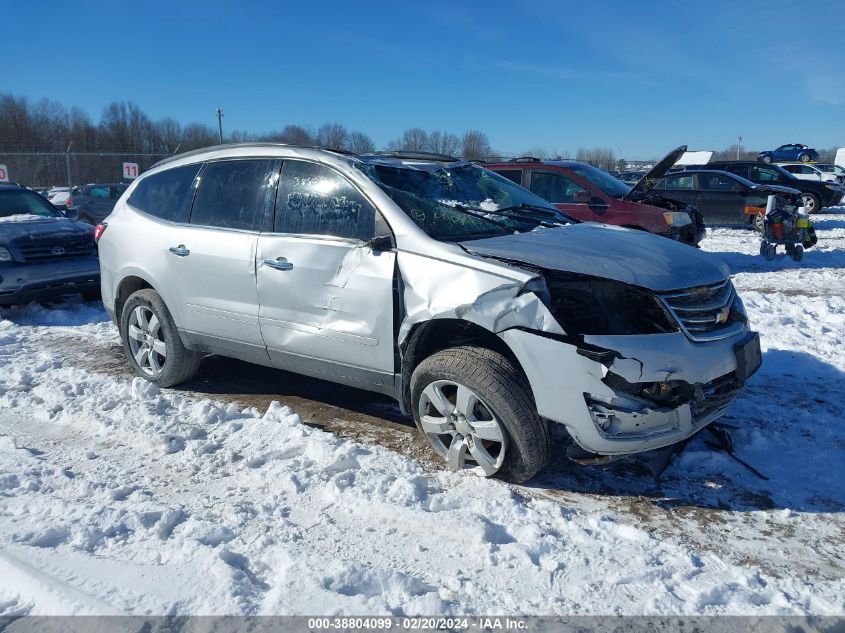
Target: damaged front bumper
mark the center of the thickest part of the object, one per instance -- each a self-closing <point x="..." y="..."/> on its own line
<point x="636" y="393"/>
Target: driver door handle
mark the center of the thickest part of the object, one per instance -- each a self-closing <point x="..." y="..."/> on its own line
<point x="280" y="263"/>
<point x="180" y="250"/>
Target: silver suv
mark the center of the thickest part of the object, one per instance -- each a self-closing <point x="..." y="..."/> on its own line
<point x="484" y="311"/>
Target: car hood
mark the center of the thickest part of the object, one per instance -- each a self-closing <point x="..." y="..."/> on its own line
<point x="600" y="250"/>
<point x="59" y="229"/>
<point x="647" y="182"/>
<point x="777" y="189"/>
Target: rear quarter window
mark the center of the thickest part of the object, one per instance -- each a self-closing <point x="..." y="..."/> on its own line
<point x="167" y="194"/>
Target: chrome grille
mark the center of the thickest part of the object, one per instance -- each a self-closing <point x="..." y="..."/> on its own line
<point x="35" y="251"/>
<point x="705" y="313"/>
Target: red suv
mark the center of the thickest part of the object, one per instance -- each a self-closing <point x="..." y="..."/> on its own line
<point x="592" y="195"/>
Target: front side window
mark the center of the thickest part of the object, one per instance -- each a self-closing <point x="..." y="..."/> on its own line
<point x="601" y="179"/>
<point x="235" y="194"/>
<point x="554" y="187"/>
<point x="715" y="182"/>
<point x="316" y="200"/>
<point x="167" y="194"/>
<point x="677" y="183"/>
<point x="766" y="174"/>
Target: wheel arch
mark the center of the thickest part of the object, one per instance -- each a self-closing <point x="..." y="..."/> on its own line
<point x="129" y="284"/>
<point x="429" y="337"/>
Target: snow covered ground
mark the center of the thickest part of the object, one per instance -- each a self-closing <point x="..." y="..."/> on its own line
<point x="117" y="497"/>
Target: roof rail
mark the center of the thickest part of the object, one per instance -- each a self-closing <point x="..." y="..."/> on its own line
<point x="525" y="159"/>
<point x="211" y="148"/>
<point x="408" y="155"/>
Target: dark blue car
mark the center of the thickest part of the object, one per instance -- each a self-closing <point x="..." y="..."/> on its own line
<point x="44" y="255"/>
<point x="789" y="153"/>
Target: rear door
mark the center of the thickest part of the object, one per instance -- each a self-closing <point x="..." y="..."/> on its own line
<point x="326" y="298"/>
<point x="212" y="258"/>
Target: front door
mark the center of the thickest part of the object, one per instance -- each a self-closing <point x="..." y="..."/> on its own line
<point x="327" y="300"/>
<point x="721" y="200"/>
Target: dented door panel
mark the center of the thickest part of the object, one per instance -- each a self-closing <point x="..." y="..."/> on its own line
<point x="333" y="303"/>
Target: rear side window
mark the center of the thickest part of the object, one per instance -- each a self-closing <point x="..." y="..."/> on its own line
<point x="234" y="194"/>
<point x="514" y="175"/>
<point x="167" y="194"/>
<point x="715" y="182"/>
<point x="316" y="200"/>
<point x="101" y="193"/>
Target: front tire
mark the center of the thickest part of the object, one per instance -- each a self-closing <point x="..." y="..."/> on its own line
<point x="473" y="404"/>
<point x="152" y="342"/>
<point x="758" y="222"/>
<point x="766" y="158"/>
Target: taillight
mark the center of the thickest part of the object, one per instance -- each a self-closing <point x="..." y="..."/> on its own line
<point x="68" y="202"/>
<point x="99" y="230"/>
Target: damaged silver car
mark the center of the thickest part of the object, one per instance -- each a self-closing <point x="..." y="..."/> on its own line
<point x="485" y="312"/>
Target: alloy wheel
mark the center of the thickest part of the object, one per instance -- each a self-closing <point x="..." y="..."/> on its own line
<point x="809" y="204"/>
<point x="146" y="340"/>
<point x="461" y="426"/>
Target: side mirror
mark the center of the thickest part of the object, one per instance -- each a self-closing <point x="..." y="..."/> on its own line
<point x="379" y="243"/>
<point x="598" y="204"/>
<point x="582" y="196"/>
<point x="71" y="214"/>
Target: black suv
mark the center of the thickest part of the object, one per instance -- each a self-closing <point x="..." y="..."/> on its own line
<point x="814" y="195"/>
<point x="95" y="201"/>
<point x="44" y="255"/>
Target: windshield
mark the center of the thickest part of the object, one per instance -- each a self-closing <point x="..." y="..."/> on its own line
<point x="460" y="202"/>
<point x="25" y="203"/>
<point x="601" y="179"/>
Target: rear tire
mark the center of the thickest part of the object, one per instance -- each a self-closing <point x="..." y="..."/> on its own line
<point x="152" y="343"/>
<point x="811" y="203"/>
<point x="804" y="158"/>
<point x="501" y="397"/>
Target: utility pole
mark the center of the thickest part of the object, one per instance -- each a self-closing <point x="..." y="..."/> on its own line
<point x="220" y="123"/>
<point x="738" y="146"/>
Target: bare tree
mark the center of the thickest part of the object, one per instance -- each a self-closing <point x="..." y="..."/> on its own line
<point x="198" y="135"/>
<point x="297" y="135"/>
<point x="413" y="140"/>
<point x="124" y="126"/>
<point x="360" y="143"/>
<point x="333" y="135"/>
<point x="475" y="145"/>
<point x="444" y="143"/>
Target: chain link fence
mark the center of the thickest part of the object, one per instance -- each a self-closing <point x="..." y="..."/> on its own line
<point x="70" y="169"/>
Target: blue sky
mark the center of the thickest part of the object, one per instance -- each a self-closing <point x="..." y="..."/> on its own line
<point x="639" y="78"/>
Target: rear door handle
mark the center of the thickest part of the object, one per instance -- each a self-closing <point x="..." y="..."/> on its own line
<point x="280" y="263"/>
<point x="180" y="250"/>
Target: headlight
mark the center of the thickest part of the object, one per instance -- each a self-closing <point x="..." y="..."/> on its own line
<point x="677" y="218"/>
<point x="5" y="255"/>
<point x="589" y="305"/>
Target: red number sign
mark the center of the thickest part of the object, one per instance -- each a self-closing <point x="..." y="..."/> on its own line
<point x="130" y="171"/>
